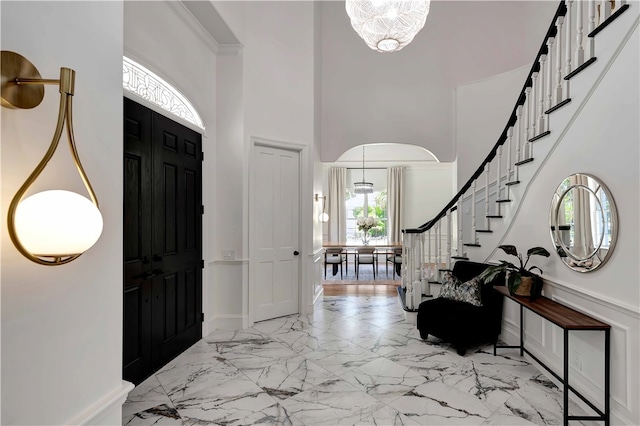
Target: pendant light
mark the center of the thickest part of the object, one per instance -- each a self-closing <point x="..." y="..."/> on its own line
<point x="363" y="187"/>
<point x="387" y="25"/>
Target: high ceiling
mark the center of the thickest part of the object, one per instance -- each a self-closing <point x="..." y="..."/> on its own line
<point x="407" y="96"/>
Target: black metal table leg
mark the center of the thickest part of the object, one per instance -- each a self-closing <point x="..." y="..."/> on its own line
<point x="521" y="330"/>
<point x="565" y="403"/>
<point x="607" y="372"/>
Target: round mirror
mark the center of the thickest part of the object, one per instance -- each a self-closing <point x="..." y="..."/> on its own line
<point x="584" y="222"/>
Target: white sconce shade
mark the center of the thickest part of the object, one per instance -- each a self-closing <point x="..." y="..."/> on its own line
<point x="324" y="217"/>
<point x="57" y="223"/>
<point x="52" y="227"/>
<point x="387" y="25"/>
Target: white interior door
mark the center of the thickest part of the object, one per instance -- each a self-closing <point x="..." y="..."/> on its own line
<point x="276" y="214"/>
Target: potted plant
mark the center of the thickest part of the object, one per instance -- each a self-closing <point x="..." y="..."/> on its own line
<point x="521" y="281"/>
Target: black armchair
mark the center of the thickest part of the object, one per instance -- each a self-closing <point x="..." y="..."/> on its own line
<point x="460" y="323"/>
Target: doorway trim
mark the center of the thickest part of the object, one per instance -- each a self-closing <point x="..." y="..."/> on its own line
<point x="304" y="233"/>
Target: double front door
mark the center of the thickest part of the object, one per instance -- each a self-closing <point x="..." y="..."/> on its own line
<point x="162" y="240"/>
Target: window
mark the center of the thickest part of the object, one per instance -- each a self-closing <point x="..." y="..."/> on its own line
<point x="145" y="84"/>
<point x="365" y="205"/>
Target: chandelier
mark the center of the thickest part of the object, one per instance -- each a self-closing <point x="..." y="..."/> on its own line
<point x="363" y="187"/>
<point x="387" y="25"/>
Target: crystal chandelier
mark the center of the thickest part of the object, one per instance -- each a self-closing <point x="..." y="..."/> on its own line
<point x="387" y="25"/>
<point x="363" y="187"/>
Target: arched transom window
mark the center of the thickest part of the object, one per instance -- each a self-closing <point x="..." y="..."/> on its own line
<point x="147" y="85"/>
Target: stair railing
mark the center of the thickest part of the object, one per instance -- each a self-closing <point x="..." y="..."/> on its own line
<point x="546" y="89"/>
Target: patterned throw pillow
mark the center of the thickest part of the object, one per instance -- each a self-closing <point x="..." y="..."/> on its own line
<point x="449" y="286"/>
<point x="470" y="292"/>
<point x="454" y="289"/>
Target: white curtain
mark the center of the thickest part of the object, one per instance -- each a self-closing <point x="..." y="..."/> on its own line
<point x="395" y="203"/>
<point x="583" y="243"/>
<point x="337" y="206"/>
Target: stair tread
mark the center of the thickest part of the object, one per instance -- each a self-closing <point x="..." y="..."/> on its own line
<point x="528" y="160"/>
<point x="609" y="20"/>
<point x="580" y="68"/>
<point x="484" y="230"/>
<point x="558" y="106"/>
<point x="515" y="182"/>
<point x="472" y="245"/>
<point x="495" y="216"/>
<point x="503" y="201"/>
<point x="540" y="136"/>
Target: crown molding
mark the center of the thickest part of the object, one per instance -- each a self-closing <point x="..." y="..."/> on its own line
<point x="192" y="22"/>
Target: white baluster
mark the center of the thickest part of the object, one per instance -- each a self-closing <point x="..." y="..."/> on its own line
<point x="592" y="26"/>
<point x="533" y="106"/>
<point x="486" y="196"/>
<point x="579" y="33"/>
<point x="605" y="10"/>
<point x="437" y="248"/>
<point x="426" y="285"/>
<point x="509" y="164"/>
<point x="499" y="171"/>
<point x="567" y="64"/>
<point x="541" y="86"/>
<point x="527" y="118"/>
<point x="559" y="80"/>
<point x="459" y="216"/>
<point x="439" y="236"/>
<point x="550" y="69"/>
<point x="473" y="212"/>
<point x="518" y="138"/>
<point x="429" y="247"/>
<point x="449" y="231"/>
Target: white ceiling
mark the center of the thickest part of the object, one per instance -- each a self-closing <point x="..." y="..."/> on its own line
<point x="408" y="96"/>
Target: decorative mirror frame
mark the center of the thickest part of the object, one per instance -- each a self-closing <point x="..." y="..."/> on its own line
<point x="593" y="188"/>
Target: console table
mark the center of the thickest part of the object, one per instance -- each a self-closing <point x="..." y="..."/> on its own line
<point x="569" y="320"/>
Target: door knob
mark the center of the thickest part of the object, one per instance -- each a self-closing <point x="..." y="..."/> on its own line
<point x="295" y="253"/>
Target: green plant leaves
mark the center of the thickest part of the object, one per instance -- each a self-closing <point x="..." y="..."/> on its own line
<point x="512" y="250"/>
<point x="540" y="251"/>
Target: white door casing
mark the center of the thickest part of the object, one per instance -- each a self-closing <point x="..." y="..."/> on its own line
<point x="275" y="206"/>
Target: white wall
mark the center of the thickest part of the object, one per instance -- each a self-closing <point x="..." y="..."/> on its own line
<point x="267" y="93"/>
<point x="62" y="326"/>
<point x="483" y="109"/>
<point x="602" y="141"/>
<point x="407" y="96"/>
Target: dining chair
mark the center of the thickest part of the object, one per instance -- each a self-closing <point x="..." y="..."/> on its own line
<point x="334" y="256"/>
<point x="366" y="256"/>
<point x="394" y="258"/>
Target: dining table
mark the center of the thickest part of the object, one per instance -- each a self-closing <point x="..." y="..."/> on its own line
<point x="350" y="247"/>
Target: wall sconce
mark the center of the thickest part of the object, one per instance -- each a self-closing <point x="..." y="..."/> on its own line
<point x="322" y="217"/>
<point x="51" y="227"/>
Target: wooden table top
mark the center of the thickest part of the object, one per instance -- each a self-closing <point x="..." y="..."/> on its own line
<point x="375" y="244"/>
<point x="561" y="315"/>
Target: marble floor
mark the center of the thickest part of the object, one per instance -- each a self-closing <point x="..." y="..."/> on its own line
<point x="356" y="361"/>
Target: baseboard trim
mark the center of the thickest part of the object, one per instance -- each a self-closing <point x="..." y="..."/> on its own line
<point x="228" y="322"/>
<point x="109" y="403"/>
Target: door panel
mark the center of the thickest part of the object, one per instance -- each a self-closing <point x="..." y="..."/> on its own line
<point x="163" y="240"/>
<point x="276" y="215"/>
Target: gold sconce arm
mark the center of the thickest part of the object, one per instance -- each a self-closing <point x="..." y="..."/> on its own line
<point x="60" y="207"/>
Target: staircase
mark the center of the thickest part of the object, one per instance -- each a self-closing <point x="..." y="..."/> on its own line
<point x="555" y="90"/>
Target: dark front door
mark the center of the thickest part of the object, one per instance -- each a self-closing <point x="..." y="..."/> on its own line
<point x="162" y="240"/>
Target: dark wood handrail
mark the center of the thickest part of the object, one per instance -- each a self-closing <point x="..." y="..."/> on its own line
<point x="551" y="32"/>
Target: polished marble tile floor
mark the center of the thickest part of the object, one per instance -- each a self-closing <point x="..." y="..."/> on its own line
<point x="355" y="361"/>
